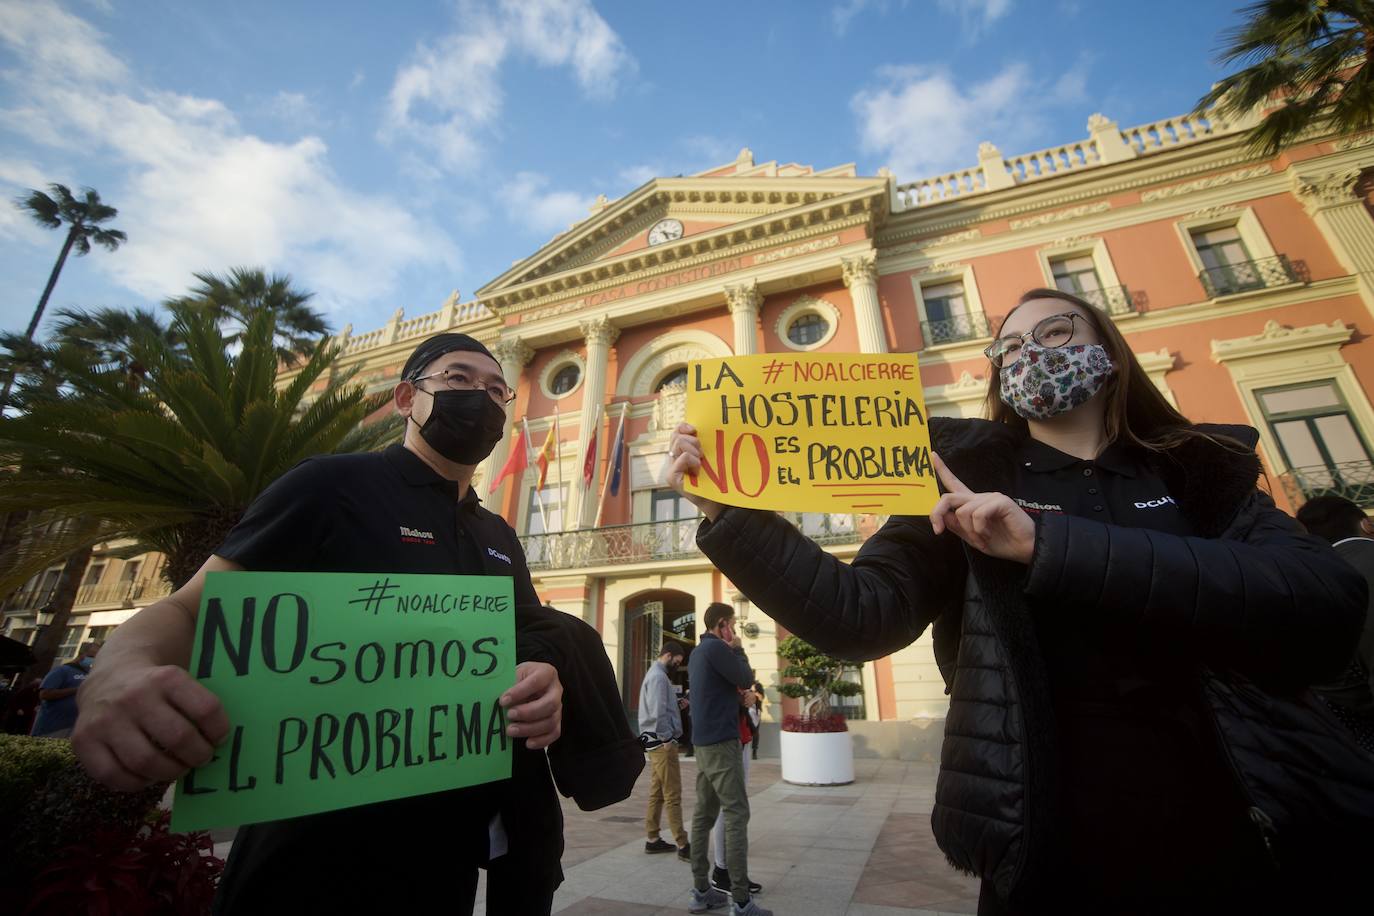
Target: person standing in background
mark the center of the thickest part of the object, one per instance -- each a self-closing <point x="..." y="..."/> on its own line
<point x="660" y="727"/>
<point x="1344" y="525"/>
<point x="717" y="671"/>
<point x="57" y="716"/>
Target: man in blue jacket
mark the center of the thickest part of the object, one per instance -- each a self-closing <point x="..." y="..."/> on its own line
<point x="716" y="671"/>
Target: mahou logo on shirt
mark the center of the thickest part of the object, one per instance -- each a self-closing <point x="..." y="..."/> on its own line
<point x="415" y="536"/>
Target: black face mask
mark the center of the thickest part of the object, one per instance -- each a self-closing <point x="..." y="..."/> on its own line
<point x="464" y="426"/>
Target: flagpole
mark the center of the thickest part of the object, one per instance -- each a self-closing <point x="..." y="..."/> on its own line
<point x="606" y="481"/>
<point x="594" y="453"/>
<point x="558" y="460"/>
<point x="529" y="462"/>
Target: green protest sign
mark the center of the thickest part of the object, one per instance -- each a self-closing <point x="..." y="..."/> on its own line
<point x="346" y="689"/>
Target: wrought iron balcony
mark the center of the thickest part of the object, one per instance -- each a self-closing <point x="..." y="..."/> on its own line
<point x="1353" y="480"/>
<point x="972" y="326"/>
<point x="28" y="599"/>
<point x="1114" y="300"/>
<point x="1249" y="275"/>
<point x="121" y="594"/>
<point x="661" y="541"/>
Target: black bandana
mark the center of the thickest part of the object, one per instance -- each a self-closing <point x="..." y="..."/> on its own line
<point x="438" y="345"/>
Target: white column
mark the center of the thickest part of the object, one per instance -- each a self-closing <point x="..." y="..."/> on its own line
<point x="861" y="276"/>
<point x="599" y="334"/>
<point x="514" y="355"/>
<point x="1343" y="221"/>
<point x="744" y="302"/>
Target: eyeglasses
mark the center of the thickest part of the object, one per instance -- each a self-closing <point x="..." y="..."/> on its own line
<point x="460" y="380"/>
<point x="1054" y="331"/>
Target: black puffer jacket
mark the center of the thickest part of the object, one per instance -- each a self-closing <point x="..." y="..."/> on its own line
<point x="1250" y="593"/>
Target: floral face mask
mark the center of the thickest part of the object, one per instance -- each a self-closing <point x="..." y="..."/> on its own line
<point x="1047" y="381"/>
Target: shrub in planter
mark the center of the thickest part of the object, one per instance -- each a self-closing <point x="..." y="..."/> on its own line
<point x="73" y="846"/>
<point x="815" y="677"/>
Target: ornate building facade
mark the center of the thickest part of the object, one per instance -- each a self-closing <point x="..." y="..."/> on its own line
<point x="1245" y="285"/>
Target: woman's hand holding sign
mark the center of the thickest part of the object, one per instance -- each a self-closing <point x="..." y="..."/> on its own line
<point x="989" y="522"/>
<point x="684" y="457"/>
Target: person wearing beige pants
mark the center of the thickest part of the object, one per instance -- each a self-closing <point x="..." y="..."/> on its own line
<point x="660" y="725"/>
<point x="665" y="794"/>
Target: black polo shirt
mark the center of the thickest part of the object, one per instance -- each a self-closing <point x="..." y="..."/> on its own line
<point x="1142" y="785"/>
<point x="386" y="512"/>
<point x="1118" y="488"/>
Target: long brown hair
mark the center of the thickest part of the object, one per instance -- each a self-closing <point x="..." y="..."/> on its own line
<point x="1136" y="412"/>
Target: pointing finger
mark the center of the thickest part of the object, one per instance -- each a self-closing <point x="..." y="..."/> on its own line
<point x="952" y="484"/>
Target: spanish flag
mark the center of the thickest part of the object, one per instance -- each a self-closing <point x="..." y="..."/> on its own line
<point x="547" y="454"/>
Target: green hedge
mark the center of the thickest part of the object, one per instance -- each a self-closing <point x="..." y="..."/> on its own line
<point x="47" y="802"/>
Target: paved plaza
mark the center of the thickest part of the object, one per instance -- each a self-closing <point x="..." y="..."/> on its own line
<point x="858" y="850"/>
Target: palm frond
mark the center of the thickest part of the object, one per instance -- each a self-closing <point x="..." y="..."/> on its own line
<point x="172" y="453"/>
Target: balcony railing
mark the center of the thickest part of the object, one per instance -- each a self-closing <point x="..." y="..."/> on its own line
<point x="28" y="599"/>
<point x="972" y="326"/>
<point x="1114" y="300"/>
<point x="1353" y="480"/>
<point x="1248" y="275"/>
<point x="661" y="541"/>
<point x="121" y="594"/>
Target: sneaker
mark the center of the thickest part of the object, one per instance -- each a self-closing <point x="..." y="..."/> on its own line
<point x="658" y="845"/>
<point x="684" y="852"/>
<point x="720" y="880"/>
<point x="749" y="909"/>
<point x="709" y="899"/>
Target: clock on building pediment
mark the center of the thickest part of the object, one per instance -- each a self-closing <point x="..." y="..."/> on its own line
<point x="665" y="230"/>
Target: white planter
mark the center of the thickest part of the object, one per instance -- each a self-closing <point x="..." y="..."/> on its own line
<point x="817" y="759"/>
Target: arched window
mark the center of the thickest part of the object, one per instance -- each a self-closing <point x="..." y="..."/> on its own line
<point x="675" y="378"/>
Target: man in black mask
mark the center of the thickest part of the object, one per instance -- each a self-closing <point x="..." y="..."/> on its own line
<point x="463" y="414"/>
<point x="410" y="509"/>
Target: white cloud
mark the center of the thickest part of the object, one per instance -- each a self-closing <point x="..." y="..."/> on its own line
<point x="201" y="192"/>
<point x="924" y="123"/>
<point x="16" y="177"/>
<point x="540" y="210"/>
<point x="976" y="15"/>
<point x="449" y="95"/>
<point x="569" y="33"/>
<point x="20" y="173"/>
<point x="48" y="39"/>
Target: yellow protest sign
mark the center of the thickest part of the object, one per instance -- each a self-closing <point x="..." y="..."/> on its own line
<point x="812" y="433"/>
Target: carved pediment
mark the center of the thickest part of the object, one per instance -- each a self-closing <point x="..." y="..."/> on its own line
<point x="712" y="208"/>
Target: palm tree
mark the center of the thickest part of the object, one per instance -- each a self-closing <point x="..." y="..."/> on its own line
<point x="82" y="218"/>
<point x="1311" y="57"/>
<point x="244" y="292"/>
<point x="170" y="460"/>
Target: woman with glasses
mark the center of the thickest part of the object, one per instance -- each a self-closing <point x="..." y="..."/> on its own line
<point x="1094" y="558"/>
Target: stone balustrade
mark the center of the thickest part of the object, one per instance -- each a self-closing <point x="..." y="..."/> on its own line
<point x="1106" y="144"/>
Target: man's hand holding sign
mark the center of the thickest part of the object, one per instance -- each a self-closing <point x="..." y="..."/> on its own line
<point x="826" y="434"/>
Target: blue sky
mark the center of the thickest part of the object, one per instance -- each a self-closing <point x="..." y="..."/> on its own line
<point x="386" y="154"/>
